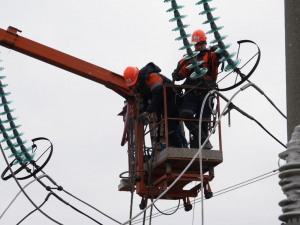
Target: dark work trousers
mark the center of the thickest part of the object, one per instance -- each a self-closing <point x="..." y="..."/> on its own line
<point x="190" y="109"/>
<point x="173" y="125"/>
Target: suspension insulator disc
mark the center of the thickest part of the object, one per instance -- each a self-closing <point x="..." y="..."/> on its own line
<point x="6" y="112"/>
<point x="3" y="85"/>
<point x="9" y="120"/>
<point x="180" y="27"/>
<point x="190" y="56"/>
<point x="194" y="75"/>
<point x="223" y="59"/>
<point x="20" y="152"/>
<point x="203" y="1"/>
<point x="15" y="145"/>
<point x="233" y="66"/>
<point x="6" y="103"/>
<point x="214" y="30"/>
<point x="219" y="50"/>
<point x="207" y="11"/>
<point x="4" y="94"/>
<point x="212" y="20"/>
<point x="26" y="160"/>
<point x="12" y="137"/>
<point x="7" y="129"/>
<point x="183" y="37"/>
<point x="220" y="39"/>
<point x="175" y="8"/>
<point x="177" y="18"/>
<point x="194" y="65"/>
<point x="18" y="161"/>
<point x="1" y="68"/>
<point x="187" y="46"/>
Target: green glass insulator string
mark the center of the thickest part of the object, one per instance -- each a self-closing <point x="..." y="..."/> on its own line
<point x="232" y="64"/>
<point x="22" y="155"/>
<point x="198" y="72"/>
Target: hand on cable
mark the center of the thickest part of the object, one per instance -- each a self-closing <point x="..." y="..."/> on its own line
<point x="144" y="117"/>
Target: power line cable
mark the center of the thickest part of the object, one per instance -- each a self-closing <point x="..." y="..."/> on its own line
<point x="18" y="195"/>
<point x="237" y="186"/>
<point x="60" y="188"/>
<point x="47" y="176"/>
<point x="48" y="196"/>
<point x="168" y="214"/>
<point x="13" y="175"/>
<point x="92" y="207"/>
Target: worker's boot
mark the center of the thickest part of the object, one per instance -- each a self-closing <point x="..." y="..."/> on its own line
<point x="208" y="145"/>
<point x="174" y="140"/>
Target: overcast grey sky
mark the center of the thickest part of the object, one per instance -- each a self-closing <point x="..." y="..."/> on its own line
<point x="80" y="116"/>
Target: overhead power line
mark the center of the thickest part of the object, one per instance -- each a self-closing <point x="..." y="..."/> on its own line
<point x="218" y="193"/>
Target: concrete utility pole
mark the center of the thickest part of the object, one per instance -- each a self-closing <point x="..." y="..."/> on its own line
<point x="290" y="172"/>
<point x="292" y="47"/>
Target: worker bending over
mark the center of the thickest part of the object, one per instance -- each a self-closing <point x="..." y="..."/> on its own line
<point x="192" y="100"/>
<point x="148" y="82"/>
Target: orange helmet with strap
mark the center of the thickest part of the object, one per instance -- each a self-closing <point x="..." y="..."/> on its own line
<point x="198" y="36"/>
<point x="130" y="75"/>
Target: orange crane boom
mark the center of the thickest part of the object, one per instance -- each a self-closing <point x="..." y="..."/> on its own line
<point x="10" y="39"/>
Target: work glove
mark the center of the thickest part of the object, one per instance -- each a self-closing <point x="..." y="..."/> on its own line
<point x="176" y="75"/>
<point x="144" y="117"/>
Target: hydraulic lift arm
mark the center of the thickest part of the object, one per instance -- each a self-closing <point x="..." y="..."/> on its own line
<point x="10" y="39"/>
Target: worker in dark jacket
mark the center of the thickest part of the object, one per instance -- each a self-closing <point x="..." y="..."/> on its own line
<point x="148" y="82"/>
<point x="192" y="101"/>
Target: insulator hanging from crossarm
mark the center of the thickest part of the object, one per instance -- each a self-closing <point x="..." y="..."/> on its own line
<point x="22" y="156"/>
<point x="232" y="64"/>
<point x="199" y="72"/>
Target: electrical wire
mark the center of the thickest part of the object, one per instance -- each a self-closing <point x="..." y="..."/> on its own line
<point x="269" y="133"/>
<point x="77" y="199"/>
<point x="223" y="191"/>
<point x="77" y="210"/>
<point x="12" y="173"/>
<point x="19" y="194"/>
<point x="213" y="131"/>
<point x="48" y="196"/>
<point x="200" y="152"/>
<point x="91" y="207"/>
<point x="45" y="175"/>
<point x="62" y="200"/>
<point x="168" y="214"/>
<point x="271" y="102"/>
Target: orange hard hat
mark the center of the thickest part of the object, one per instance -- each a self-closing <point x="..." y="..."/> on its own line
<point x="198" y="36"/>
<point x="130" y="75"/>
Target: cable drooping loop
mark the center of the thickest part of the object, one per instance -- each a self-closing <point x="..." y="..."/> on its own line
<point x="198" y="72"/>
<point x="232" y="64"/>
<point x="22" y="156"/>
